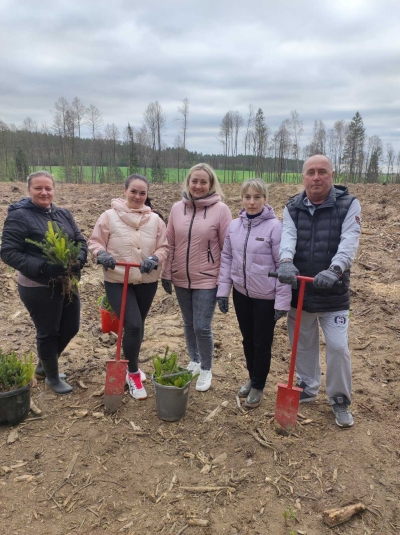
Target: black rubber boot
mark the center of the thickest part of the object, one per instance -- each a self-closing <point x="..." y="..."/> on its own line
<point x="244" y="390"/>
<point x="39" y="372"/>
<point x="254" y="398"/>
<point x="50" y="368"/>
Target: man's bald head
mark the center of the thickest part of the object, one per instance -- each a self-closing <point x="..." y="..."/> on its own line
<point x="318" y="178"/>
<point x="319" y="156"/>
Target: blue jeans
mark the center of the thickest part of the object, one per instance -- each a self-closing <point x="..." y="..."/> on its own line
<point x="197" y="307"/>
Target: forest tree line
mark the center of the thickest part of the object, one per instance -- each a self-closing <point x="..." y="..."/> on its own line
<point x="247" y="145"/>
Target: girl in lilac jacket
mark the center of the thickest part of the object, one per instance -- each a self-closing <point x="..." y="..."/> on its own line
<point x="250" y="251"/>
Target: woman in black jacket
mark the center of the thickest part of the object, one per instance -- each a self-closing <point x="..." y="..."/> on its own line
<point x="56" y="317"/>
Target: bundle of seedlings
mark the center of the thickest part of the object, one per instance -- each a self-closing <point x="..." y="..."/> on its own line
<point x="58" y="248"/>
<point x="15" y="373"/>
<point x="168" y="373"/>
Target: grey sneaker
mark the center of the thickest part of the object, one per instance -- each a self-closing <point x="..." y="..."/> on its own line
<point x="244" y="390"/>
<point x="254" y="398"/>
<point x="304" y="397"/>
<point x="340" y="406"/>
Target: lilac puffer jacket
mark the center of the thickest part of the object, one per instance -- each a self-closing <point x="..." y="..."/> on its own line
<point x="251" y="250"/>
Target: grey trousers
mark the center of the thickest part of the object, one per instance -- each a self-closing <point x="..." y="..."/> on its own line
<point x="338" y="362"/>
<point x="197" y="307"/>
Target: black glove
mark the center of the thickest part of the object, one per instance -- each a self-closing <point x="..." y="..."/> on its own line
<point x="279" y="314"/>
<point x="53" y="270"/>
<point x="223" y="304"/>
<point x="167" y="285"/>
<point x="76" y="268"/>
<point x="149" y="264"/>
<point x="106" y="260"/>
<point x="326" y="279"/>
<point x="287" y="273"/>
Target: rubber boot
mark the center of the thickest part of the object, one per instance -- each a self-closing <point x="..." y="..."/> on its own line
<point x="244" y="390"/>
<point x="53" y="380"/>
<point x="39" y="372"/>
<point x="254" y="398"/>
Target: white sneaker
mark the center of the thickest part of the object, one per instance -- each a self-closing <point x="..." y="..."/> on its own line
<point x="143" y="377"/>
<point x="136" y="389"/>
<point x="193" y="367"/>
<point x="204" y="381"/>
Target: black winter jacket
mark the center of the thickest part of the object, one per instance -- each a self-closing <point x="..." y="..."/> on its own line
<point x="26" y="220"/>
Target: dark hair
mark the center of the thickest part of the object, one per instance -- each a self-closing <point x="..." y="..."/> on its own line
<point x="147" y="202"/>
<point x="136" y="177"/>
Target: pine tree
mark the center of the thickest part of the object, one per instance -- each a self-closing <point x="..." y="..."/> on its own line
<point x="354" y="148"/>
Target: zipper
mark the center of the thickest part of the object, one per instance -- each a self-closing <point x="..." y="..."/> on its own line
<point x="244" y="256"/>
<point x="209" y="253"/>
<point x="188" y="245"/>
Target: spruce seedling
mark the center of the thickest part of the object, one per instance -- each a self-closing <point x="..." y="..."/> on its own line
<point x="58" y="248"/>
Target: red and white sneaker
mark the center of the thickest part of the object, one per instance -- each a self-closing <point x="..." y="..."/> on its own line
<point x="136" y="388"/>
<point x="143" y="377"/>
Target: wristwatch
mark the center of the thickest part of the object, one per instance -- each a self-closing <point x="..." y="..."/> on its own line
<point x="337" y="270"/>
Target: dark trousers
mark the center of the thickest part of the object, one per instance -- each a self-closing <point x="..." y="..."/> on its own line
<point x="138" y="303"/>
<point x="256" y="322"/>
<point x="56" y="318"/>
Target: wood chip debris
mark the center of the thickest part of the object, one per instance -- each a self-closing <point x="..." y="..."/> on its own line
<point x="334" y="517"/>
<point x="12" y="437"/>
<point x="35" y="409"/>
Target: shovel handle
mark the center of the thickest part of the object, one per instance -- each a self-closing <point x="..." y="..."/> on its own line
<point x="298" y="277"/>
<point x="127" y="266"/>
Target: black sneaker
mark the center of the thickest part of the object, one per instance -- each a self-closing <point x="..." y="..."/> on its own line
<point x="304" y="397"/>
<point x="340" y="407"/>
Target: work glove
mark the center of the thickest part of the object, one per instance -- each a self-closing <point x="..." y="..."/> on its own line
<point x="223" y="304"/>
<point x="287" y="272"/>
<point x="53" y="270"/>
<point x="326" y="279"/>
<point x="148" y="264"/>
<point x="167" y="285"/>
<point x="279" y="314"/>
<point x="76" y="268"/>
<point x="106" y="260"/>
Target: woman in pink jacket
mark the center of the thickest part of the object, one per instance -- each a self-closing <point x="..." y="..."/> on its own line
<point x="250" y="251"/>
<point x="196" y="231"/>
<point x="131" y="232"/>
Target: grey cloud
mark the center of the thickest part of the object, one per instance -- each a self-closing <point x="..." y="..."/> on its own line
<point x="326" y="60"/>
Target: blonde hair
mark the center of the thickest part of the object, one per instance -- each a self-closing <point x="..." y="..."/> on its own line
<point x="215" y="186"/>
<point x="257" y="184"/>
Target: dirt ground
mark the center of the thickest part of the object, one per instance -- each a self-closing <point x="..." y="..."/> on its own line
<point x="89" y="472"/>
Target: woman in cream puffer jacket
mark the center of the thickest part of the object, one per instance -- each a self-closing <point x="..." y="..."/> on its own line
<point x="131" y="232"/>
<point x="196" y="231"/>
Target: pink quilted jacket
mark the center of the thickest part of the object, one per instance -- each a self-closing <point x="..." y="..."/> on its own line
<point x="196" y="232"/>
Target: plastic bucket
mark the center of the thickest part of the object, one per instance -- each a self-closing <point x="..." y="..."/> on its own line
<point x="171" y="401"/>
<point x="15" y="405"/>
<point x="109" y="321"/>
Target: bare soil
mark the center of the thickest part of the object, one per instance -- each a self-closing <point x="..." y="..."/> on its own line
<point x="89" y="472"/>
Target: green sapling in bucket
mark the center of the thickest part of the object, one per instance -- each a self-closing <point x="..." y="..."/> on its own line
<point x="171" y="383"/>
<point x="15" y="381"/>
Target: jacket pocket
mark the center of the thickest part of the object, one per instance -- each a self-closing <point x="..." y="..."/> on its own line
<point x="210" y="257"/>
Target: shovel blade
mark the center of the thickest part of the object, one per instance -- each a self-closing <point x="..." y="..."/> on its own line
<point x="287" y="406"/>
<point x="115" y="384"/>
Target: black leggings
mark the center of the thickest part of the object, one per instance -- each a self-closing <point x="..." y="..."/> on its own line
<point x="138" y="303"/>
<point x="256" y="322"/>
<point x="56" y="318"/>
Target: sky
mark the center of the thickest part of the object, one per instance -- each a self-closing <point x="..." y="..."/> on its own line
<point x="325" y="59"/>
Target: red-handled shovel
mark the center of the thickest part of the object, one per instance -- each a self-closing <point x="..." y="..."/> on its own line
<point x="288" y="399"/>
<point x="116" y="369"/>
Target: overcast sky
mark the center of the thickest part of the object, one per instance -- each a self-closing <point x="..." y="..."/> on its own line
<point x="325" y="59"/>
